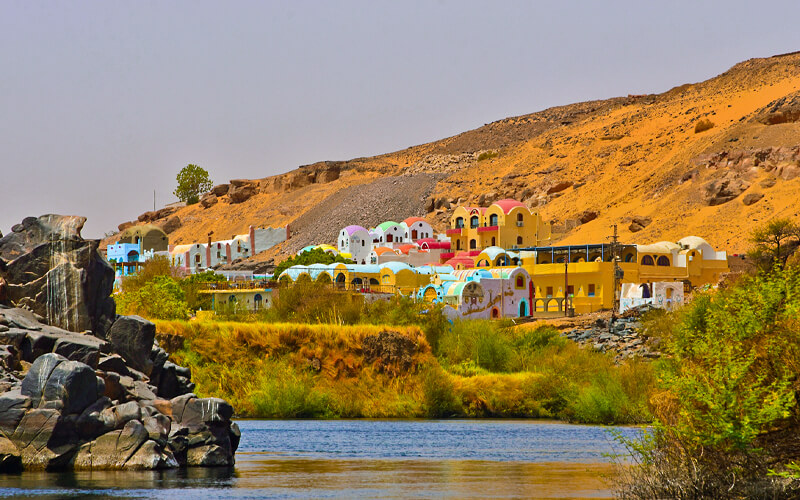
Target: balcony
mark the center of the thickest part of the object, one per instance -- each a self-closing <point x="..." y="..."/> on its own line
<point x="455" y="232"/>
<point x="486" y="229"/>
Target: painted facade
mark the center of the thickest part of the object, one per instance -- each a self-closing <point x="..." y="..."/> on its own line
<point x="506" y="223"/>
<point x="198" y="257"/>
<point x="355" y="241"/>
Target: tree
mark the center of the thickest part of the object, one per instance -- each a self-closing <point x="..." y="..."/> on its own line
<point x="313" y="256"/>
<point x="192" y="181"/>
<point x="775" y="243"/>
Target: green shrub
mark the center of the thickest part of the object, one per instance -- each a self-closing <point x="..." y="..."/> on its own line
<point x="281" y="392"/>
<point x="439" y="394"/>
<point x="487" y="155"/>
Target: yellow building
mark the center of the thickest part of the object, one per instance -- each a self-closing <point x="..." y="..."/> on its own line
<point x="505" y="223"/>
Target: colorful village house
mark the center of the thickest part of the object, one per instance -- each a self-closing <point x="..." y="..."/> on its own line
<point x="355" y="241"/>
<point x="134" y="246"/>
<point x="198" y="257"/>
<point x="506" y="223"/>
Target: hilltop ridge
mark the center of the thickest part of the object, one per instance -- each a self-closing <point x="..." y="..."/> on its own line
<point x="641" y="162"/>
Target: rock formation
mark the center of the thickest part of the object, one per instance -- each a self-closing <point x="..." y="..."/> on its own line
<point x="58" y="275"/>
<point x="101" y="399"/>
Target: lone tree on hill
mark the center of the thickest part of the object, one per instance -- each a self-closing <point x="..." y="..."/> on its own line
<point x="775" y="243"/>
<point x="192" y="180"/>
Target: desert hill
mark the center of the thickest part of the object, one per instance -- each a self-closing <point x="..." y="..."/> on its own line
<point x="641" y="162"/>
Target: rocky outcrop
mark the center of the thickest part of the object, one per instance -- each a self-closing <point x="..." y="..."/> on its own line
<point x="391" y="352"/>
<point x="783" y="110"/>
<point x="208" y="200"/>
<point x="723" y="190"/>
<point x="58" y="275"/>
<point x="639" y="223"/>
<point x="73" y="401"/>
<point x="242" y="190"/>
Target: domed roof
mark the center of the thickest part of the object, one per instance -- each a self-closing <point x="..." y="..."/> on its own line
<point x="508" y="204"/>
<point x="352" y="229"/>
<point x="382" y="250"/>
<point x="693" y="242"/>
<point x="412" y="220"/>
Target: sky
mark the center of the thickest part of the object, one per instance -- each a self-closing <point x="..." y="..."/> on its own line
<point x="102" y="103"/>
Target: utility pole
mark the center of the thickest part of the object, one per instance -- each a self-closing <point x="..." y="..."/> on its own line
<point x="154" y="200"/>
<point x="618" y="273"/>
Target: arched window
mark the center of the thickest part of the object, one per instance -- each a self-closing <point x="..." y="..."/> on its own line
<point x="519" y="217"/>
<point x="493" y="241"/>
<point x="629" y="257"/>
<point x="647" y="261"/>
<point x="257" y="301"/>
<point x="459" y="222"/>
<point x="474" y="221"/>
<point x="389" y="238"/>
<point x="519" y="240"/>
<point x="458" y="244"/>
<point x="473" y="244"/>
<point x="493" y="220"/>
<point x="520" y="282"/>
<point x="662" y="261"/>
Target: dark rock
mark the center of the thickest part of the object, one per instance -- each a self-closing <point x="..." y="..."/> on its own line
<point x="723" y="190"/>
<point x="235" y="436"/>
<point x="34" y="382"/>
<point x="198" y="412"/>
<point x="113" y="363"/>
<point x="157" y="426"/>
<point x="132" y="337"/>
<point x="220" y="189"/>
<point x="208" y="200"/>
<point x="85" y="349"/>
<point x="171" y="225"/>
<point x="559" y="186"/>
<point x="241" y="191"/>
<point x="208" y="456"/>
<point x="10" y="457"/>
<point x="13" y="406"/>
<point x="36" y="344"/>
<point x="47" y="255"/>
<point x="587" y="216"/>
<point x="73" y="384"/>
<point x="639" y="223"/>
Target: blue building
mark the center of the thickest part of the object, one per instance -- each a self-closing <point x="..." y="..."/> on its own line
<point x="125" y="257"/>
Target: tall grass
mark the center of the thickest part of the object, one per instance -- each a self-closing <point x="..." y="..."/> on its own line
<point x="286" y="370"/>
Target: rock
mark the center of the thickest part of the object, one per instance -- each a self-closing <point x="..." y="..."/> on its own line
<point x="10" y="457"/>
<point x="171" y="225"/>
<point x="208" y="200"/>
<point x="157" y="426"/>
<point x="329" y="174"/>
<point x="142" y="391"/>
<point x="85" y="349"/>
<point x="13" y="406"/>
<point x="587" y="216"/>
<point x="208" y="456"/>
<point x="47" y="255"/>
<point x="393" y="351"/>
<point x="174" y="381"/>
<point x="639" y="223"/>
<point x="150" y="456"/>
<point x="113" y="449"/>
<point x="34" y="382"/>
<point x="723" y="190"/>
<point x="124" y="226"/>
<point x="559" y="186"/>
<point x="113" y="363"/>
<point x="198" y="412"/>
<point x="220" y="189"/>
<point x="788" y="172"/>
<point x="751" y="198"/>
<point x="768" y="182"/>
<point x="72" y="384"/>
<point x="132" y="337"/>
<point x="241" y="190"/>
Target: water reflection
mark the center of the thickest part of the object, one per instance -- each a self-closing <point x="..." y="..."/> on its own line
<point x="368" y="459"/>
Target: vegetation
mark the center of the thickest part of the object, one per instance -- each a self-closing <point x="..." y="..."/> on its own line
<point x="702" y="125"/>
<point x="192" y="182"/>
<point x="775" y="243"/>
<point x="726" y="412"/>
<point x="313" y="256"/>
<point x="488" y="155"/>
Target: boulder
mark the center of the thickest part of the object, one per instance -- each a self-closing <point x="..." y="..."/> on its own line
<point x="587" y="216"/>
<point x="208" y="456"/>
<point x="639" y="223"/>
<point x="57" y="274"/>
<point x="81" y="348"/>
<point x="220" y="189"/>
<point x="38" y="374"/>
<point x="723" y="190"/>
<point x="559" y="186"/>
<point x="132" y="337"/>
<point x="208" y="200"/>
<point x="751" y="198"/>
<point x="171" y="225"/>
<point x="240" y="192"/>
<point x="13" y="406"/>
<point x="198" y="412"/>
<point x="73" y="385"/>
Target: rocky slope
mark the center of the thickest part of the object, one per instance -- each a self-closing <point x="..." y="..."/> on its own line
<point x="102" y="399"/>
<point x="713" y="159"/>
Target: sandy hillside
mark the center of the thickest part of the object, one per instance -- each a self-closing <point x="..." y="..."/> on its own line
<point x="634" y="158"/>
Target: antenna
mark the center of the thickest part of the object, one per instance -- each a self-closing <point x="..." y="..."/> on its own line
<point x="154" y="200"/>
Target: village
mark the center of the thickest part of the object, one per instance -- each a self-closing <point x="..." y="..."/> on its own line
<point x="492" y="262"/>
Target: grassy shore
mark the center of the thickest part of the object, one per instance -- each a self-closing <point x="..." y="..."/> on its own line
<point x="477" y="369"/>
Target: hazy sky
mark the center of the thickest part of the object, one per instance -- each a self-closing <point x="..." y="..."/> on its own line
<point x="102" y="102"/>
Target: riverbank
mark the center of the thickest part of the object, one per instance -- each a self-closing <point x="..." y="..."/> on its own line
<point x="478" y="369"/>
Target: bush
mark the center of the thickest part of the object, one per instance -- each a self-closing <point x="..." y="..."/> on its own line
<point x="159" y="298"/>
<point x="482" y="341"/>
<point x="727" y="402"/>
<point x="487" y="155"/>
<point x="703" y="125"/>
<point x="440" y="398"/>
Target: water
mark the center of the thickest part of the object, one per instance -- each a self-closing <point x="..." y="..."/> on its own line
<point x="369" y="458"/>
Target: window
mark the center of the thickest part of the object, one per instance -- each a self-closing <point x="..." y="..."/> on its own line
<point x="549" y="291"/>
<point x="591" y="290"/>
<point x="389" y="238"/>
<point x="459" y="222"/>
<point x="493" y="220"/>
<point x="662" y="261"/>
<point x="458" y="244"/>
<point x="647" y="261"/>
<point x="473" y="244"/>
<point x="474" y="221"/>
<point x="520" y="282"/>
<point x="519" y="240"/>
<point x="362" y="243"/>
<point x="519" y="217"/>
<point x="570" y="290"/>
<point x="493" y="241"/>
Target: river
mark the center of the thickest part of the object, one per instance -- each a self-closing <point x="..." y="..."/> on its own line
<point x="373" y="459"/>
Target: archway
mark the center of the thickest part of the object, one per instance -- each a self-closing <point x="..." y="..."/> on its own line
<point x="258" y="300"/>
<point x="495" y="313"/>
<point x="523" y="309"/>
